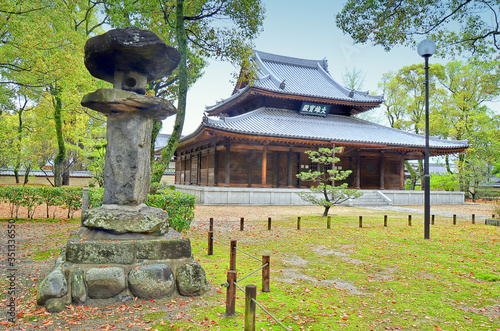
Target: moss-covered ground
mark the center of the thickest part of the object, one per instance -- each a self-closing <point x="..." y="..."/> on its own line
<point x="344" y="278"/>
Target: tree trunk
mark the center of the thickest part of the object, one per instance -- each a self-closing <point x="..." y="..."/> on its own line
<point x="61" y="149"/>
<point x="169" y="151"/>
<point x="413" y="174"/>
<point x="325" y="194"/>
<point x="16" y="173"/>
<point x="464" y="187"/>
<point x="447" y="163"/>
<point x="65" y="176"/>
<point x="327" y="209"/>
<point x="19" y="138"/>
<point x="26" y="174"/>
<point x="157" y="125"/>
<point x="421" y="171"/>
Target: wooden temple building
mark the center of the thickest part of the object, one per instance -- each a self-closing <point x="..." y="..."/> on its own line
<point x="257" y="137"/>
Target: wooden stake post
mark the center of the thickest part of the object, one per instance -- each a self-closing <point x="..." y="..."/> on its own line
<point x="232" y="255"/>
<point x="250" y="293"/>
<point x="210" y="243"/>
<point x="231" y="293"/>
<point x="266" y="271"/>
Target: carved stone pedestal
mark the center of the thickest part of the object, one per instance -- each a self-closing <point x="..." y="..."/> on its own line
<point x="98" y="265"/>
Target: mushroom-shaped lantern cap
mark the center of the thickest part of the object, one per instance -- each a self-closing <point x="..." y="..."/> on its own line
<point x="129" y="49"/>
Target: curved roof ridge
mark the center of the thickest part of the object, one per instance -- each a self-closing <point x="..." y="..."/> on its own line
<point x="435" y="138"/>
<point x="291" y="60"/>
<point x="232" y="96"/>
<point x="329" y="77"/>
<point x="266" y="70"/>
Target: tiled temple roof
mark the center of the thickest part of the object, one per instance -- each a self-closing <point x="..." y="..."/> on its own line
<point x="285" y="75"/>
<point x="283" y="123"/>
<point x="303" y="77"/>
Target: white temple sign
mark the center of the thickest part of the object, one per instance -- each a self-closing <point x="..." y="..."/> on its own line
<point x="314" y="109"/>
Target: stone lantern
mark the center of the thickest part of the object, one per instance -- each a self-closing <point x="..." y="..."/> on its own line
<point x="124" y="249"/>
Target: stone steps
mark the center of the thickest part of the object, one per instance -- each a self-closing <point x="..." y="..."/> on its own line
<point x="369" y="198"/>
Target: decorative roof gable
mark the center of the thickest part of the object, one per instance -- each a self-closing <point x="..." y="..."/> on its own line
<point x="285" y="74"/>
<point x="295" y="79"/>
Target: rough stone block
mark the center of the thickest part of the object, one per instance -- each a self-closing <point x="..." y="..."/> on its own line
<point x="123" y="219"/>
<point x="104" y="283"/>
<point x="55" y="305"/>
<point x="96" y="252"/>
<point x="191" y="279"/>
<point x="164" y="249"/>
<point x="151" y="281"/>
<point x="54" y="285"/>
<point x="78" y="290"/>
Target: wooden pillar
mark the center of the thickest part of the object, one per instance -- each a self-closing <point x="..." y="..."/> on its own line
<point x="190" y="167"/>
<point x="198" y="170"/>
<point x="402" y="172"/>
<point x="228" y="164"/>
<point x="183" y="169"/>
<point x="297" y="180"/>
<point x="207" y="168"/>
<point x="178" y="170"/>
<point x="264" y="167"/>
<point x="382" y="171"/>
<point x="249" y="169"/>
<point x="289" y="181"/>
<point x="276" y="168"/>
<point x="216" y="166"/>
<point x="358" y="171"/>
<point x="350" y="168"/>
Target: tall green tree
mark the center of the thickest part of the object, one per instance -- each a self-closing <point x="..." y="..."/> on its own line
<point x="42" y="51"/>
<point x="457" y="26"/>
<point x="326" y="189"/>
<point x="458" y="111"/>
<point x="200" y="29"/>
<point x="463" y="115"/>
<point x="404" y="100"/>
<point x="354" y="78"/>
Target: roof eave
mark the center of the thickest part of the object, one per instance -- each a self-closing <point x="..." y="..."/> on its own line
<point x="434" y="151"/>
<point x="357" y="106"/>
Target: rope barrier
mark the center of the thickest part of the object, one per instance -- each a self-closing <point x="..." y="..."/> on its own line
<point x="236" y="284"/>
<point x="220" y="242"/>
<point x="267" y="312"/>
<point x="256" y="258"/>
<point x="250" y="274"/>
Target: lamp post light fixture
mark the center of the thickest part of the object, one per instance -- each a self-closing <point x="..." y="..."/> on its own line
<point x="426" y="49"/>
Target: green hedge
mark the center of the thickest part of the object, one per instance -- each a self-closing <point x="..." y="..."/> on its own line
<point x="32" y="197"/>
<point x="180" y="206"/>
<point x="488" y="194"/>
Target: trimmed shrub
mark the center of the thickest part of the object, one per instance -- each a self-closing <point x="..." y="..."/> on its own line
<point x="179" y="206"/>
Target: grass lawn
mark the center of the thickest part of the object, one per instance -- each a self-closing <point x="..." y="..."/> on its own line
<point x="369" y="278"/>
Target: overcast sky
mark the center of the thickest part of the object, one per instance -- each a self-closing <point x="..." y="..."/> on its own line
<point x="303" y="29"/>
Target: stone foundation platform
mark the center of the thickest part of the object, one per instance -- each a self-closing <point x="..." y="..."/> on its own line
<point x="95" y="264"/>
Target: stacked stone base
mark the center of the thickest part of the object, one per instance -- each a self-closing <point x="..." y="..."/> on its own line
<point x="99" y="265"/>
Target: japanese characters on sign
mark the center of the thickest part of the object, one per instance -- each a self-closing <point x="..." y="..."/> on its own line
<point x="314" y="109"/>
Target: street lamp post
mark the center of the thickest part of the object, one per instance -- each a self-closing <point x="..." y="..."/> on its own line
<point x="426" y="49"/>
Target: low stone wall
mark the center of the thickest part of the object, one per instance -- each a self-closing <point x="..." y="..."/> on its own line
<point x="401" y="198"/>
<point x="287" y="196"/>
